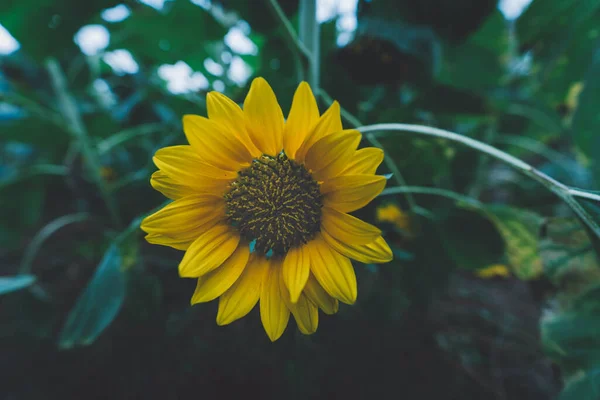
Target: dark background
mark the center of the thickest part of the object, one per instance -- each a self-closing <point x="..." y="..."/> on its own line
<point x="490" y="300"/>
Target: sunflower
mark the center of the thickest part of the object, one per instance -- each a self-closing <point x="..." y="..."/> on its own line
<point x="260" y="206"/>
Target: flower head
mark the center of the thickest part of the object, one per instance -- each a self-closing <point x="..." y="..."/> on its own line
<point x="261" y="208"/>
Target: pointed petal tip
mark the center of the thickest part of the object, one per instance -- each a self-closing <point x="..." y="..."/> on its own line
<point x="294" y="297"/>
<point x="221" y="321"/>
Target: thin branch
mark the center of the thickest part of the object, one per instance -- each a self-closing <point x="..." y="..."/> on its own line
<point x="309" y="35"/>
<point x="72" y="116"/>
<point x="560" y="189"/>
<point x="434" y="192"/>
<point x="128" y="134"/>
<point x="36" y="243"/>
<point x="289" y="29"/>
<point x="302" y="56"/>
<point x="41" y="169"/>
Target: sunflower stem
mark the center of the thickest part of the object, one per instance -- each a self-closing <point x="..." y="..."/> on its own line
<point x="299" y="51"/>
<point x="73" y="117"/>
<point x="309" y="34"/>
<point x="566" y="193"/>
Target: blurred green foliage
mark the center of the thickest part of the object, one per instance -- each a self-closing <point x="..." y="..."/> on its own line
<point x="89" y="309"/>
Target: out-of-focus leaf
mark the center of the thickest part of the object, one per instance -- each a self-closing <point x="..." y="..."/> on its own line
<point x="20" y="209"/>
<point x="471" y="240"/>
<point x="480" y="62"/>
<point x="562" y="36"/>
<point x="544" y="20"/>
<point x="570" y="337"/>
<point x="180" y="31"/>
<point x="586" y="120"/>
<point x="99" y="303"/>
<point x="144" y="295"/>
<point x="259" y="18"/>
<point x="47" y="27"/>
<point x="583" y="386"/>
<point x="567" y="254"/>
<point x="12" y="283"/>
<point x="385" y="51"/>
<point x="520" y="230"/>
<point x="453" y="20"/>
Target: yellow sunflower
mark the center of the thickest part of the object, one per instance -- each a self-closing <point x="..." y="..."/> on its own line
<point x="261" y="208"/>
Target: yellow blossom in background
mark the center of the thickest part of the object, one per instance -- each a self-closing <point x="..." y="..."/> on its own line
<point x="493" y="271"/>
<point x="261" y="208"/>
<point x="392" y="214"/>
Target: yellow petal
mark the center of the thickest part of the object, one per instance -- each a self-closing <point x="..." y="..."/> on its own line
<point x="167" y="228"/>
<point x="346" y="228"/>
<point x="178" y="242"/>
<point x="184" y="166"/>
<point x="241" y="298"/>
<point x="214" y="144"/>
<point x="264" y="119"/>
<point x="364" y="161"/>
<point x="331" y="154"/>
<point x="296" y="268"/>
<point x="274" y="313"/>
<point x="303" y="116"/>
<point x="209" y="251"/>
<point x="188" y="213"/>
<point x="305" y="313"/>
<point x="333" y="271"/>
<point x="348" y="193"/>
<point x="169" y="187"/>
<point x="228" y="114"/>
<point x="330" y="122"/>
<point x="375" y="252"/>
<point x="315" y="292"/>
<point x="215" y="283"/>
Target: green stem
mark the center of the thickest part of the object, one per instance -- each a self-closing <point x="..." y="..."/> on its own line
<point x="563" y="191"/>
<point x="299" y="51"/>
<point x="432" y="191"/>
<point x="41" y="169"/>
<point x="72" y="116"/>
<point x="34" y="108"/>
<point x="536" y="147"/>
<point x="309" y="35"/>
<point x="36" y="243"/>
<point x="585" y="195"/>
<point x="119" y="138"/>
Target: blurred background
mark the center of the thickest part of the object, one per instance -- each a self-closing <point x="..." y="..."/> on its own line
<point x="494" y="291"/>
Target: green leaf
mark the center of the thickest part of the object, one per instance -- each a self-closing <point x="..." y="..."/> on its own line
<point x="21" y="210"/>
<point x="562" y="36"/>
<point x="567" y="254"/>
<point x="586" y="120"/>
<point x="584" y="386"/>
<point x="545" y="20"/>
<point x="181" y="31"/>
<point x="99" y="303"/>
<point x="520" y="230"/>
<point x="471" y="240"/>
<point x="391" y="51"/>
<point x="47" y="27"/>
<point x="14" y="283"/>
<point x="489" y="46"/>
<point x="570" y="338"/>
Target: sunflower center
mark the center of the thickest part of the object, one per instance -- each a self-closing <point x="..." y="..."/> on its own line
<point x="275" y="203"/>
